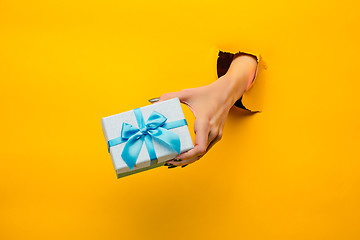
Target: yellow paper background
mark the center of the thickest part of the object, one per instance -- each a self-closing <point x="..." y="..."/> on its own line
<point x="290" y="172"/>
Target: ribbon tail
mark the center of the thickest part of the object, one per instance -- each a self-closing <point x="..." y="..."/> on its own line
<point x="168" y="138"/>
<point x="132" y="150"/>
<point x="151" y="149"/>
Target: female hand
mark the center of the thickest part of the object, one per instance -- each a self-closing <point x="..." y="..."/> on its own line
<point x="210" y="105"/>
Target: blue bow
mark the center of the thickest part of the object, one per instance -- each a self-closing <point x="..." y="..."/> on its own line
<point x="155" y="128"/>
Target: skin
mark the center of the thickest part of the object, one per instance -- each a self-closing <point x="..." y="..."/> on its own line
<point x="211" y="104"/>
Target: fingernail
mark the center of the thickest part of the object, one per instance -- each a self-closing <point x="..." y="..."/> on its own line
<point x="167" y="164"/>
<point x="172" y="166"/>
<point x="177" y="160"/>
<point x="154" y="100"/>
<point x="184" y="165"/>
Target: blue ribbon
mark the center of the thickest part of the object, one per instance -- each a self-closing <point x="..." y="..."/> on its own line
<point x="156" y="128"/>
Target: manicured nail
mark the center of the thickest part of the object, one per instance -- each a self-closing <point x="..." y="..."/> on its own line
<point x="167" y="164"/>
<point x="172" y="166"/>
<point x="177" y="160"/>
<point x="184" y="165"/>
<point x="154" y="100"/>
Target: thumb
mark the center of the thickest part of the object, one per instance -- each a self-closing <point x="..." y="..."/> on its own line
<point x="164" y="97"/>
<point x="182" y="95"/>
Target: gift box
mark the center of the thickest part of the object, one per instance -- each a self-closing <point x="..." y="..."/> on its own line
<point x="146" y="137"/>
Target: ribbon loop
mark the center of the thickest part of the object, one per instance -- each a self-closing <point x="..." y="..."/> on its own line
<point x="128" y="130"/>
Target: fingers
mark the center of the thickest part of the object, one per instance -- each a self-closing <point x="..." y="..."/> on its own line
<point x="201" y="128"/>
<point x="217" y="138"/>
<point x="213" y="142"/>
<point x="212" y="135"/>
<point x="193" y="155"/>
<point x="183" y="162"/>
<point x="191" y="160"/>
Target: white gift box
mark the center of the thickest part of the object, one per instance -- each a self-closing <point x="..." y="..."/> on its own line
<point x="112" y="127"/>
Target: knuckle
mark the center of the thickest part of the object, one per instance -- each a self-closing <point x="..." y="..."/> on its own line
<point x="202" y="150"/>
<point x="208" y="124"/>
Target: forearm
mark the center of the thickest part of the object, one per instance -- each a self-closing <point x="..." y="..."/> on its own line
<point x="238" y="77"/>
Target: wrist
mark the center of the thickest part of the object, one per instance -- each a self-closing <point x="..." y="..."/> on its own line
<point x="229" y="89"/>
<point x="231" y="86"/>
<point x="240" y="76"/>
